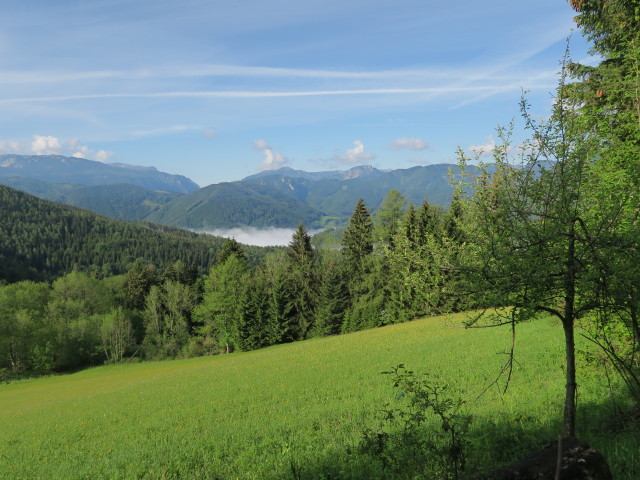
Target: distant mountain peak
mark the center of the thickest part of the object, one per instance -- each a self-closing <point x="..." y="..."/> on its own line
<point x="133" y="167"/>
<point x="288" y="172"/>
<point x="361" y="171"/>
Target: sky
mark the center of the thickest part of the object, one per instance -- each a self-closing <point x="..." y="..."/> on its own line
<point x="221" y="89"/>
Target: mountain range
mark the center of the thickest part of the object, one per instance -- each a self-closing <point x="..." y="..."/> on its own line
<point x="80" y="171"/>
<point x="274" y="198"/>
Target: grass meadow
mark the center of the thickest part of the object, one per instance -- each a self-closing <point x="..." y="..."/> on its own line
<point x="294" y="410"/>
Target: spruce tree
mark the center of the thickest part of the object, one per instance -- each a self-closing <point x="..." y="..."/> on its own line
<point x="332" y="304"/>
<point x="230" y="247"/>
<point x="357" y="241"/>
<point x="304" y="282"/>
<point x="389" y="216"/>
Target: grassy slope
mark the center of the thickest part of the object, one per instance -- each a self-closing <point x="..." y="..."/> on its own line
<point x="252" y="415"/>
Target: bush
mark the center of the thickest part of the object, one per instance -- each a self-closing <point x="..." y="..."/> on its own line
<point x="425" y="435"/>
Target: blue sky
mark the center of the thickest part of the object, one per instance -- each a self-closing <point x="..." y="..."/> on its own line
<point x="217" y="90"/>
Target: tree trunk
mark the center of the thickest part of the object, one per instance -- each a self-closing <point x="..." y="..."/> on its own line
<point x="636" y="330"/>
<point x="569" y="423"/>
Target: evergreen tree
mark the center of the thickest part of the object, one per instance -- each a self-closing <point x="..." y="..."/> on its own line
<point x="357" y="242"/>
<point x="300" y="251"/>
<point x="452" y="218"/>
<point x="389" y="216"/>
<point x="140" y="279"/>
<point x="332" y="304"/>
<point x="281" y="321"/>
<point x="254" y="313"/>
<point x="428" y="221"/>
<point x="303" y="279"/>
<point x="230" y="247"/>
<point x="409" y="225"/>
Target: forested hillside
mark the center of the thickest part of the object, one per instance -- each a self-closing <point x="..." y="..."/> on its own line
<point x="122" y="201"/>
<point x="41" y="240"/>
<point x="236" y="204"/>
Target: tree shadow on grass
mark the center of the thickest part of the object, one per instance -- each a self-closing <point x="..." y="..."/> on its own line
<point x="496" y="442"/>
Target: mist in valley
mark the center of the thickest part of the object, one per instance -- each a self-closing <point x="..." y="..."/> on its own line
<point x="260" y="237"/>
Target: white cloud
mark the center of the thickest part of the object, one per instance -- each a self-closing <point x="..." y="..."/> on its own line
<point x="272" y="160"/>
<point x="410" y="144"/>
<point x="484" y="148"/>
<point x="50" y="145"/>
<point x="355" y="155"/>
<point x="46" y="145"/>
<point x="81" y="151"/>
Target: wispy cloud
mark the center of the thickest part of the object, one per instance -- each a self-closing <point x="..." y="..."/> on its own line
<point x="415" y="144"/>
<point x="166" y="130"/>
<point x="197" y="71"/>
<point x="269" y="94"/>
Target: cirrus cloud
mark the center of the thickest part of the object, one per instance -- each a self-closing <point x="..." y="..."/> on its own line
<point x="415" y="144"/>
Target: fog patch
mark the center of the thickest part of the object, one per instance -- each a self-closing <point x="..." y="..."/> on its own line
<point x="260" y="237"/>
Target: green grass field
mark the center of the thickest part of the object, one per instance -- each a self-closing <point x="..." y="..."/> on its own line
<point x="257" y="414"/>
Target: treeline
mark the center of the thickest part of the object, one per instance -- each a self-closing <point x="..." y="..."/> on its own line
<point x="155" y="313"/>
<point x="41" y="240"/>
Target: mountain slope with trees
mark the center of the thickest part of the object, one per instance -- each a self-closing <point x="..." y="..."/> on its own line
<point x="122" y="201"/>
<point x="336" y="196"/>
<point x="41" y="240"/>
<point x="235" y="204"/>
